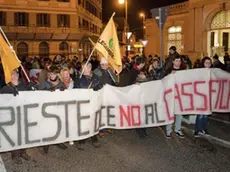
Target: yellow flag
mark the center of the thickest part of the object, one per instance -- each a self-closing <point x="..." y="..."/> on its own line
<point x="8" y="58"/>
<point x="108" y="46"/>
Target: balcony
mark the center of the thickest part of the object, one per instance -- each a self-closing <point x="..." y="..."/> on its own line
<point x="40" y="5"/>
<point x="41" y="33"/>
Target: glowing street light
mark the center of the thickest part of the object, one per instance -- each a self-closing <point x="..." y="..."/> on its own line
<point x="121" y="1"/>
<point x="125" y="2"/>
<point x="142" y="15"/>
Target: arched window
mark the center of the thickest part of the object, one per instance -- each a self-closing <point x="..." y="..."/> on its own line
<point x="175" y="37"/>
<point x="64" y="47"/>
<point x="44" y="49"/>
<point x="22" y="49"/>
<point x="221" y="20"/>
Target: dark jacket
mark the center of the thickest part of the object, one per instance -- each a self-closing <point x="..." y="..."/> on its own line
<point x="12" y="89"/>
<point x="156" y="74"/>
<point x="228" y="68"/>
<point x="219" y="64"/>
<point x="169" y="71"/>
<point x="48" y="86"/>
<point x="169" y="60"/>
<point x="88" y="82"/>
<point x="105" y="76"/>
<point x="95" y="64"/>
<point x="129" y="77"/>
<point x="2" y="78"/>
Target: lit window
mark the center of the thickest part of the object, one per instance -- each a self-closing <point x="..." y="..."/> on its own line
<point x="175" y="37"/>
<point x="221" y="20"/>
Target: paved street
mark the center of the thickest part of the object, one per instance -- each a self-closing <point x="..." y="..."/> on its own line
<point x="125" y="152"/>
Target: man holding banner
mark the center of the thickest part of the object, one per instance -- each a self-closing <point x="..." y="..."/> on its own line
<point x="178" y="118"/>
<point x="14" y="87"/>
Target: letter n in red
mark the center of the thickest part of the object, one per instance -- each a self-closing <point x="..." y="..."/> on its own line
<point x="125" y="115"/>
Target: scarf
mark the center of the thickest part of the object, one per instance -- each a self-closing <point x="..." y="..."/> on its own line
<point x="67" y="82"/>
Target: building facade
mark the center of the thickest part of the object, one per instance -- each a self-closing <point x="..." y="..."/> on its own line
<point x="51" y="27"/>
<point x="197" y="28"/>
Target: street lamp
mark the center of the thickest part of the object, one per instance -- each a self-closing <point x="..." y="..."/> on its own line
<point x="126" y="20"/>
<point x="142" y="15"/>
<point x="121" y="1"/>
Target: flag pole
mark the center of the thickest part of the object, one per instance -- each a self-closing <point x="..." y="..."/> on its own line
<point x="12" y="49"/>
<point x="92" y="51"/>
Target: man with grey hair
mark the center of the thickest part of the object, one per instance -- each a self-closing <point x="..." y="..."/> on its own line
<point x="105" y="73"/>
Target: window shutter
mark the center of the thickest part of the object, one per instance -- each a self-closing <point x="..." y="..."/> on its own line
<point x="38" y="19"/>
<point x="59" y="20"/>
<point x="27" y="19"/>
<point x="48" y="20"/>
<point x="68" y="20"/>
<point x="16" y="19"/>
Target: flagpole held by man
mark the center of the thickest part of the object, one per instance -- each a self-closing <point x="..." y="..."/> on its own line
<point x="108" y="46"/>
<point x="9" y="58"/>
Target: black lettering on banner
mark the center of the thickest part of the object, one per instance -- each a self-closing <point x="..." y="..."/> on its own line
<point x="96" y="122"/>
<point x="157" y="116"/>
<point x="19" y="125"/>
<point x="9" y="123"/>
<point x="29" y="124"/>
<point x="98" y="119"/>
<point x="66" y="114"/>
<point x="110" y="116"/>
<point x="80" y="117"/>
<point x="149" y="113"/>
<point x="54" y="116"/>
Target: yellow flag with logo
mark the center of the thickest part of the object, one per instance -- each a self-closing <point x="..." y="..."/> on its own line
<point x="108" y="46"/>
<point x="8" y="58"/>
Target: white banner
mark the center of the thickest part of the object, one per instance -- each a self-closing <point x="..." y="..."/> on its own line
<point x="36" y="118"/>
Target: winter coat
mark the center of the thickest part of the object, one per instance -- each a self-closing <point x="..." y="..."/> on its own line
<point x="156" y="74"/>
<point x="228" y="68"/>
<point x="105" y="76"/>
<point x="218" y="64"/>
<point x="129" y="77"/>
<point x="43" y="76"/>
<point x="88" y="82"/>
<point x="2" y="78"/>
<point x="11" y="89"/>
<point x="169" y="71"/>
<point x="169" y="60"/>
<point x="48" y="86"/>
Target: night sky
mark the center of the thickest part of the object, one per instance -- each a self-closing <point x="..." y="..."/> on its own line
<point x="134" y="9"/>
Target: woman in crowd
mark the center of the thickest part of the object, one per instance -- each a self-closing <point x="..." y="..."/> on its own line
<point x="201" y="126"/>
<point x="155" y="71"/>
<point x="43" y="76"/>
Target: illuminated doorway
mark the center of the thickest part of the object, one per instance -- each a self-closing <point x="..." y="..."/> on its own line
<point x="219" y="36"/>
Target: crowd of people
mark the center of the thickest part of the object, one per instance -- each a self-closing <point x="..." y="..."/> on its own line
<point x="62" y="73"/>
